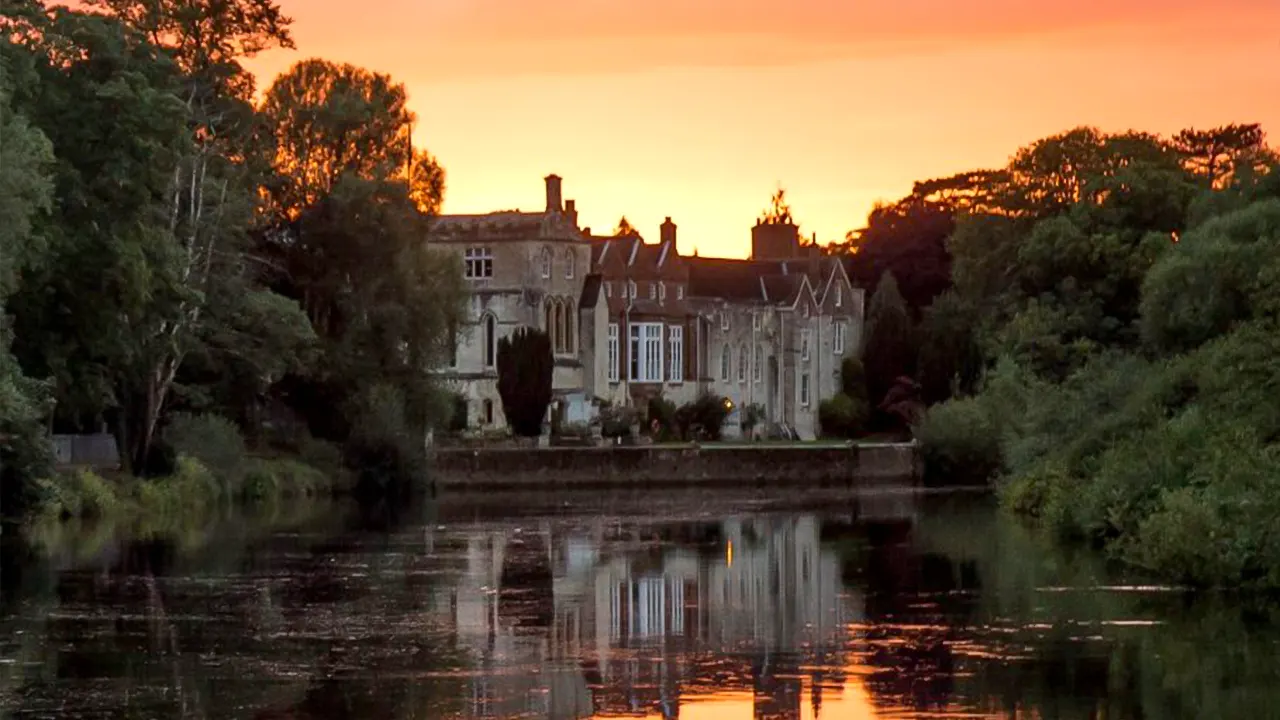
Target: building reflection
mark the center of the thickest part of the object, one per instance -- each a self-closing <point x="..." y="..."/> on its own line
<point x="609" y="619"/>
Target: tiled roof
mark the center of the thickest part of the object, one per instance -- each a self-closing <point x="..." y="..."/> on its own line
<point x="725" y="278"/>
<point x="782" y="288"/>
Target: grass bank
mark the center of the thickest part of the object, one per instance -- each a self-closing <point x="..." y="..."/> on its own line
<point x="194" y="490"/>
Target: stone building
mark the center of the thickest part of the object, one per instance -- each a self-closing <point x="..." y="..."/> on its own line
<point x="523" y="269"/>
<point x="631" y="320"/>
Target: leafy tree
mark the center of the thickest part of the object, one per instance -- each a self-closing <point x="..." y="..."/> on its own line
<point x="525" y="367"/>
<point x="1218" y="155"/>
<point x="624" y="228"/>
<point x="26" y="157"/>
<point x="888" y="351"/>
<point x="950" y="361"/>
<point x="345" y="240"/>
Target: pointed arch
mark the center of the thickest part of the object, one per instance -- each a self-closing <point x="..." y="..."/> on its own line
<point x="570" y="264"/>
<point x="570" y="334"/>
<point x="490" y="348"/>
<point x="545" y="261"/>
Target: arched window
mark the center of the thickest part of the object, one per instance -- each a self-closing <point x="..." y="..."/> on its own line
<point x="742" y="363"/>
<point x="549" y="322"/>
<point x="725" y="359"/>
<point x="570" y="263"/>
<point x="490" y="341"/>
<point x="546" y="262"/>
<point x="569" y="339"/>
<point x="560" y="327"/>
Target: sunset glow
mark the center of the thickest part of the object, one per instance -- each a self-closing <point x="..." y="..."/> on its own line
<point x="699" y="109"/>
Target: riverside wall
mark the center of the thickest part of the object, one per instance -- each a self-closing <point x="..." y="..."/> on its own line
<point x="674" y="465"/>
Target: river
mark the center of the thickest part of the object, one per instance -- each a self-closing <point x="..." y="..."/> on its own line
<point x="886" y="604"/>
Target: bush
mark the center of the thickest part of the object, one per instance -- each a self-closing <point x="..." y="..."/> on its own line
<point x="616" y="420"/>
<point x="285" y="479"/>
<point x="960" y="442"/>
<point x="703" y="418"/>
<point x="77" y="494"/>
<point x="386" y="452"/>
<point x="842" y="416"/>
<point x="525" y="368"/>
<point x="215" y="442"/>
<point x="663" y="411"/>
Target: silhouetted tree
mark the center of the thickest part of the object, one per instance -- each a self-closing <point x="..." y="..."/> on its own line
<point x="624" y="228"/>
<point x="889" y="350"/>
<point x="525" y="365"/>
<point x="1218" y="154"/>
<point x="778" y="212"/>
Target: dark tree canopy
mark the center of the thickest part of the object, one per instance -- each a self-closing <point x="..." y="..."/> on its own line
<point x="888" y="350"/>
<point x="525" y="367"/>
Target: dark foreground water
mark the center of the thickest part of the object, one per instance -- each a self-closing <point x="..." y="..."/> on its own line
<point x="658" y="605"/>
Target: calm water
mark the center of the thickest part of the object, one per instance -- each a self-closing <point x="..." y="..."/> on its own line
<point x="885" y="605"/>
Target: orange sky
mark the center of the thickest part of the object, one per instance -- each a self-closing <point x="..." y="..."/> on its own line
<point x="699" y="109"/>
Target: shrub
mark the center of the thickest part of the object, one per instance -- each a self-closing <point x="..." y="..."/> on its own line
<point x="842" y="416"/>
<point x="664" y="412"/>
<point x="961" y="444"/>
<point x="703" y="418"/>
<point x="525" y="367"/>
<point x="215" y="442"/>
<point x="616" y="420"/>
<point x="385" y="450"/>
<point x="77" y="493"/>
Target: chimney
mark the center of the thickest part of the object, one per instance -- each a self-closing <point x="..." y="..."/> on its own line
<point x="571" y="210"/>
<point x="667" y="233"/>
<point x="586" y="231"/>
<point x="553" y="193"/>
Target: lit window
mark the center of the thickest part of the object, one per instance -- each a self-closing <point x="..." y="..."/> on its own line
<point x="613" y="352"/>
<point x="478" y="263"/>
<point x="675" y="341"/>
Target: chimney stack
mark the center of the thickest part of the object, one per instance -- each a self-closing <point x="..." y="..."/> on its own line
<point x="553" y="193"/>
<point x="667" y="233"/>
<point x="571" y="210"/>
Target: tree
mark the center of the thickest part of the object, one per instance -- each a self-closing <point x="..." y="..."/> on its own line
<point x="344" y="238"/>
<point x="889" y="349"/>
<point x="950" y="361"/>
<point x="624" y="228"/>
<point x="525" y="366"/>
<point x="778" y="212"/>
<point x="26" y="190"/>
<point x="1219" y="154"/>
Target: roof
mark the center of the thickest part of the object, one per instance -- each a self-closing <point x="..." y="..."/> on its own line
<point x="726" y="278"/>
<point x="590" y="291"/>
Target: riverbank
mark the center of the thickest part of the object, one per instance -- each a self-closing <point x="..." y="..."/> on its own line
<point x="193" y="490"/>
<point x="685" y="465"/>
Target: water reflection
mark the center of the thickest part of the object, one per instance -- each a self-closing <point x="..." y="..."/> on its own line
<point x="884" y="605"/>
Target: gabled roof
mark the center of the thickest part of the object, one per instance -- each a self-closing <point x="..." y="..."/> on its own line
<point x="590" y="291"/>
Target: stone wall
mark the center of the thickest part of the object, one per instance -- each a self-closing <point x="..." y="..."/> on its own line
<point x="688" y="465"/>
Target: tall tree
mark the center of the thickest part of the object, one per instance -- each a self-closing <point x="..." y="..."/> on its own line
<point x="26" y="189"/>
<point x="210" y="196"/>
<point x="779" y="211"/>
<point x="888" y="350"/>
<point x="525" y="367"/>
<point x="346" y="239"/>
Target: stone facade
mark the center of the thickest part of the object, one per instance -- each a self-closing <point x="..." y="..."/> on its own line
<point x="632" y="320"/>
